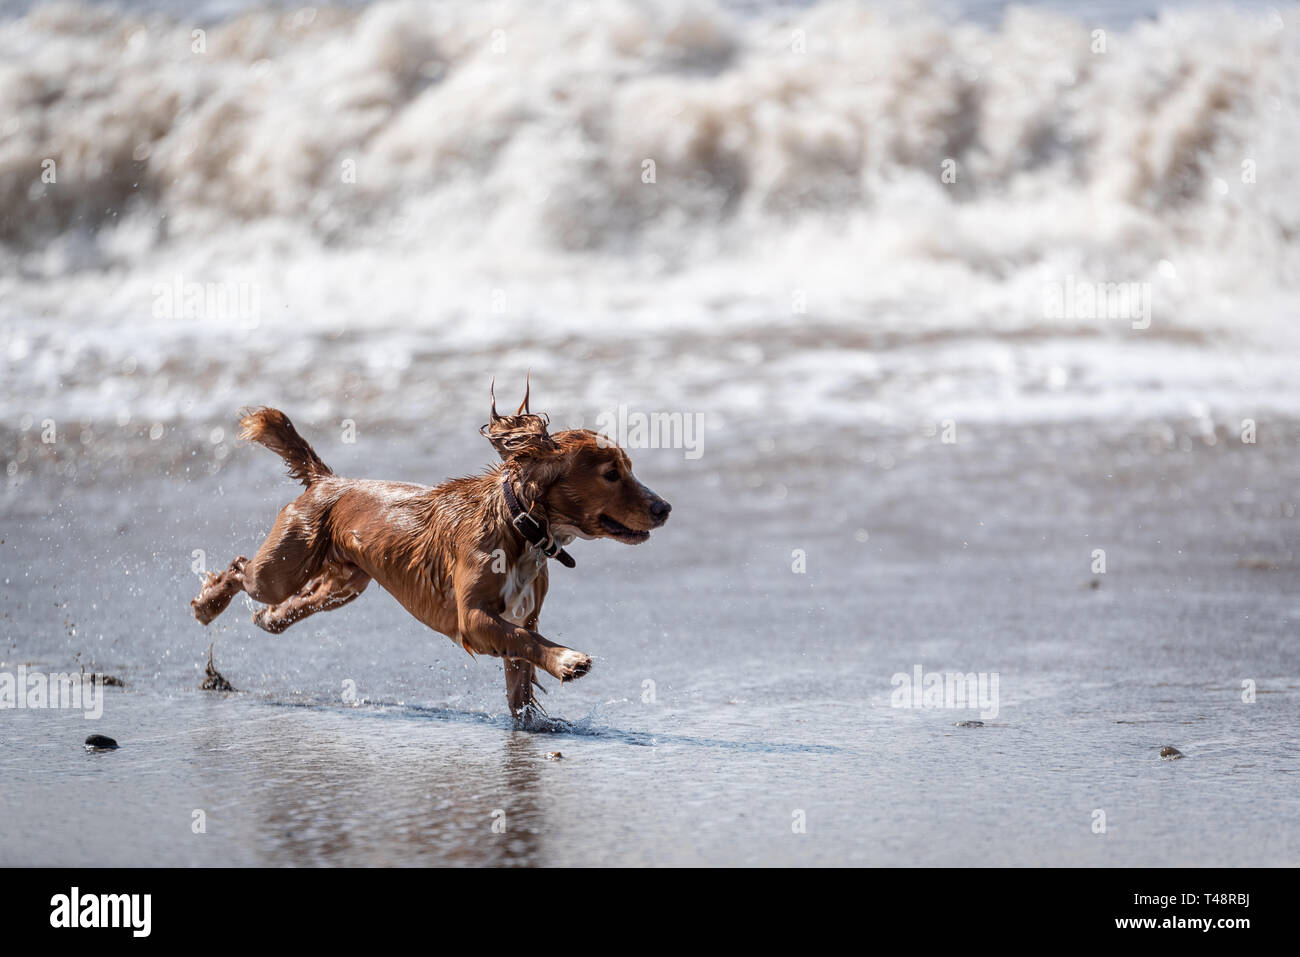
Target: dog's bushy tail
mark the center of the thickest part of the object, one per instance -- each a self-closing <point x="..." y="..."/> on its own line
<point x="272" y="428"/>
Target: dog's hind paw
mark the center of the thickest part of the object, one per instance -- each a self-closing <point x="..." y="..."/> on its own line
<point x="266" y="619"/>
<point x="568" y="665"/>
<point x="217" y="591"/>
<point x="209" y="605"/>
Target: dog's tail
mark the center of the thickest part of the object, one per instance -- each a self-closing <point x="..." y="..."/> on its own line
<point x="272" y="428"/>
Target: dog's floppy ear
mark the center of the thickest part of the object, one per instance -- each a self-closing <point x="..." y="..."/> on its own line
<point x="519" y="435"/>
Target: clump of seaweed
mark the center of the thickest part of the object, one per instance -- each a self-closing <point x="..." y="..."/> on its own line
<point x="214" y="680"/>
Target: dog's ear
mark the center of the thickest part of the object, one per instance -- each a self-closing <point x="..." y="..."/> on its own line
<point x="520" y="435"/>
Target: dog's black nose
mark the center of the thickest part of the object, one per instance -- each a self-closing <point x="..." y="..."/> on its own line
<point x="660" y="510"/>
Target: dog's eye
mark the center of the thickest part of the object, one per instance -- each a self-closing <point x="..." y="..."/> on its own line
<point x="611" y="475"/>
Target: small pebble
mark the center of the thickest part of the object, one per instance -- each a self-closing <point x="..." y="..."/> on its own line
<point x="970" y="724"/>
<point x="1258" y="563"/>
<point x="553" y="755"/>
<point x="1170" y="753"/>
<point x="100" y="742"/>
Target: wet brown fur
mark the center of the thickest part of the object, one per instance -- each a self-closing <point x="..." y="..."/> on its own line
<point x="448" y="553"/>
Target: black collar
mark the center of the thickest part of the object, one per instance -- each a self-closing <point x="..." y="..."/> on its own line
<point x="537" y="533"/>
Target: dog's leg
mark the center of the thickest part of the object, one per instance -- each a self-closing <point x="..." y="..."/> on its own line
<point x="282" y="565"/>
<point x="520" y="678"/>
<point x="333" y="588"/>
<point x="288" y="559"/>
<point x="486" y="633"/>
<point x="218" y="590"/>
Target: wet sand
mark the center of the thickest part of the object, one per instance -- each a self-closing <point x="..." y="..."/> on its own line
<point x="772" y="689"/>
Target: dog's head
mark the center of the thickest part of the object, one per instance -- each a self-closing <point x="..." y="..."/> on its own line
<point x="584" y="481"/>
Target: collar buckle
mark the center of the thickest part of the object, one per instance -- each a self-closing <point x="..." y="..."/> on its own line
<point x="536" y="533"/>
<point x="518" y="520"/>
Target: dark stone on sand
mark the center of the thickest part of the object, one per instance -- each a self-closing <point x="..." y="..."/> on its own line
<point x="1170" y="753"/>
<point x="106" y="681"/>
<point x="100" y="742"/>
<point x="1259" y="563"/>
<point x="215" y="680"/>
<point x="970" y="724"/>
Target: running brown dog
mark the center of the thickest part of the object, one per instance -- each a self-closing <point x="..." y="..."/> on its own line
<point x="468" y="558"/>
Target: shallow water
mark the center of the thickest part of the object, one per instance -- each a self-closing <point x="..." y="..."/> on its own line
<point x="771" y="689"/>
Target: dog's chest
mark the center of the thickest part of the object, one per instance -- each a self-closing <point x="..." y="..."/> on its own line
<point x="518" y="593"/>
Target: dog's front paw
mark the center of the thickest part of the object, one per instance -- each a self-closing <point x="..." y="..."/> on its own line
<point x="567" y="664"/>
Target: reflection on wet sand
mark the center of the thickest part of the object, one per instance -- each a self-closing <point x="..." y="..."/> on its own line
<point x="331" y="798"/>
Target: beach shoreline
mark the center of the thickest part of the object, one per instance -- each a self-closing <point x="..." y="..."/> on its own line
<point x="771" y="687"/>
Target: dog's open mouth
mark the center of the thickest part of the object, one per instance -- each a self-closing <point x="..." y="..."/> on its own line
<point x="621" y="531"/>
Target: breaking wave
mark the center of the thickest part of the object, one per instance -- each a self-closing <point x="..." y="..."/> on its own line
<point x="467" y="172"/>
